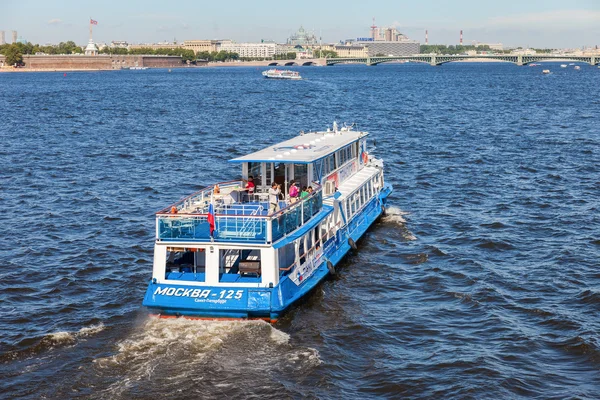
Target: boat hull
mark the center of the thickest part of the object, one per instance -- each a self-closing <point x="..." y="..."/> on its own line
<point x="212" y="302"/>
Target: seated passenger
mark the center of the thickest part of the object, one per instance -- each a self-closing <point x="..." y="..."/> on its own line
<point x="304" y="193"/>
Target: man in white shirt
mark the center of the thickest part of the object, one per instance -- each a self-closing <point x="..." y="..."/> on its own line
<point x="274" y="193"/>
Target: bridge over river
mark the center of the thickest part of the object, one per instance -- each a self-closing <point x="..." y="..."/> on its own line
<point x="437" y="59"/>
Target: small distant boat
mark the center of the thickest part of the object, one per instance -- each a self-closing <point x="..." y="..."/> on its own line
<point x="281" y="74"/>
<point x="563" y="65"/>
<point x="571" y="63"/>
<point x="534" y="65"/>
<point x="546" y="71"/>
<point x="577" y="67"/>
<point x="137" y="68"/>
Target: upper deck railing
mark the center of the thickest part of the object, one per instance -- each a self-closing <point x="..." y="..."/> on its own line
<point x="235" y="220"/>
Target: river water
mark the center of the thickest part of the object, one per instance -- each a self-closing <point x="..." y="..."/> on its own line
<point x="483" y="280"/>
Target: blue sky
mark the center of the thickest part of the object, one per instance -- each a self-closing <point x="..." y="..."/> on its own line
<point x="535" y="23"/>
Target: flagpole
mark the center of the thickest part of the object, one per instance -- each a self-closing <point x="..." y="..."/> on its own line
<point x="90" y="29"/>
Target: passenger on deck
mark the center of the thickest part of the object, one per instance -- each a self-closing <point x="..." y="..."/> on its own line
<point x="294" y="192"/>
<point x="249" y="189"/>
<point x="310" y="190"/>
<point x="304" y="193"/>
<point x="274" y="193"/>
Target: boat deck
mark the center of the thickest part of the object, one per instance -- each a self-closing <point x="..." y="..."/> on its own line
<point x="235" y="218"/>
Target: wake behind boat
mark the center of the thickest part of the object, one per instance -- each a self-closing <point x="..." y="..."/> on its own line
<point x="235" y="250"/>
<point x="281" y="74"/>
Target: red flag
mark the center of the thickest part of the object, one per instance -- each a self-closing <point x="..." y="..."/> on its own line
<point x="93" y="22"/>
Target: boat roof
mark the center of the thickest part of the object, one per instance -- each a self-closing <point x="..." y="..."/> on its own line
<point x="304" y="148"/>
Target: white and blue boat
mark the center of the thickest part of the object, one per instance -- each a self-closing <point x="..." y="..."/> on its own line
<point x="222" y="253"/>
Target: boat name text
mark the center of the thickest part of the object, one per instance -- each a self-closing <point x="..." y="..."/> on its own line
<point x="199" y="293"/>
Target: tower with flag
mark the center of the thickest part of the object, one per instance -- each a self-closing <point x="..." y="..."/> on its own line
<point x="91" y="49"/>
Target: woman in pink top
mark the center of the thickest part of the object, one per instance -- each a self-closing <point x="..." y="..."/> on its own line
<point x="294" y="192"/>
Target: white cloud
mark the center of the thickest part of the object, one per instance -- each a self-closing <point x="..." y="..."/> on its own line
<point x="55" y="21"/>
<point x="549" y="19"/>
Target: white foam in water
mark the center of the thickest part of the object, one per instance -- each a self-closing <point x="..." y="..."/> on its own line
<point x="90" y="330"/>
<point x="158" y="343"/>
<point x="60" y="338"/>
<point x="394" y="214"/>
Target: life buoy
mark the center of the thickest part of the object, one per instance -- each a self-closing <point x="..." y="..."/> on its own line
<point x="173" y="210"/>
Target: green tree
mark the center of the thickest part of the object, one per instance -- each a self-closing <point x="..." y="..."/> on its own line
<point x="318" y="53"/>
<point x="13" y="55"/>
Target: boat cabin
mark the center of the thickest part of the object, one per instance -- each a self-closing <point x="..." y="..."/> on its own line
<point x="221" y="236"/>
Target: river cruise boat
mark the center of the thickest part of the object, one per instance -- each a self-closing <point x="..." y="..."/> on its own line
<point x="281" y="74"/>
<point x="225" y="253"/>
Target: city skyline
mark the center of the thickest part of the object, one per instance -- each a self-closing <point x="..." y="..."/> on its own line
<point x="536" y="23"/>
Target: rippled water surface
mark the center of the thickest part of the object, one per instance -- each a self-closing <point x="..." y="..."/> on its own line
<point x="483" y="280"/>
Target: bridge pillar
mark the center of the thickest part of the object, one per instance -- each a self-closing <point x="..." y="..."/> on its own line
<point x="520" y="60"/>
<point x="593" y="61"/>
<point x="432" y="62"/>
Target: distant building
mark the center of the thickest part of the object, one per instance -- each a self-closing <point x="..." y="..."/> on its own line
<point x="524" y="52"/>
<point x="492" y="46"/>
<point x="121" y="44"/>
<point x="352" y="51"/>
<point x="394" y="48"/>
<point x="14" y="36"/>
<point x="199" y="46"/>
<point x="154" y="46"/>
<point x="251" y="50"/>
<point x="284" y="49"/>
<point x="2" y="38"/>
<point x="385" y="34"/>
<point x="302" y="38"/>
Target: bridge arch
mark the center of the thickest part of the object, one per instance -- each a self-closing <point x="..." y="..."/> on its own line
<point x="308" y="63"/>
<point x="289" y="64"/>
<point x="273" y="64"/>
<point x="532" y="59"/>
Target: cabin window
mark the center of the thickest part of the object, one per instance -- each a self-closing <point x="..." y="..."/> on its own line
<point x="278" y="175"/>
<point x="328" y="164"/>
<point x="185" y="264"/>
<point x="287" y="256"/>
<point x="309" y="240"/>
<point x="301" y="174"/>
<point x="239" y="265"/>
<point x="301" y="251"/>
<point x="323" y="230"/>
<point x="317" y="234"/>
<point x="254" y="170"/>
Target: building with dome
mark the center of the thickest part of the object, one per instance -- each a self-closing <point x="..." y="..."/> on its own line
<point x="302" y="38"/>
